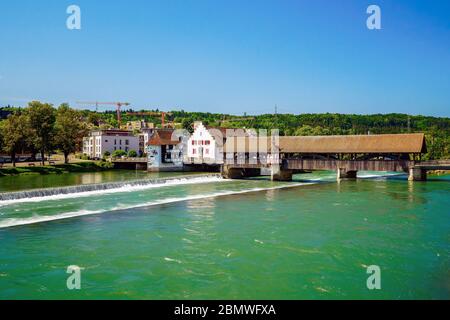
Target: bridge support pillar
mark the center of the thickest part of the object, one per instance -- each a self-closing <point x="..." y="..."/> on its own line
<point x="232" y="173"/>
<point x="279" y="174"/>
<point x="343" y="173"/>
<point x="417" y="174"/>
<point x="239" y="173"/>
<point x="141" y="166"/>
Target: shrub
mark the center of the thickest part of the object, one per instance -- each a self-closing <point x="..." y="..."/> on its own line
<point x="107" y="154"/>
<point x="119" y="153"/>
<point x="132" y="154"/>
<point x="105" y="164"/>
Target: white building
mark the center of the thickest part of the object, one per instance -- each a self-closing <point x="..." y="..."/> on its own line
<point x="100" y="141"/>
<point x="164" y="151"/>
<point x="205" y="145"/>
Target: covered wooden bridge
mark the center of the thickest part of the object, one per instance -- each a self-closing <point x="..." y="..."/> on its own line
<point x="345" y="154"/>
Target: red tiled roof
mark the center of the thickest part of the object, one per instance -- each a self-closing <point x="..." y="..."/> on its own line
<point x="162" y="137"/>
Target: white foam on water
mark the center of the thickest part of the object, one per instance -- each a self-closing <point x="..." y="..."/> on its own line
<point x="380" y="175"/>
<point x="14" y="222"/>
<point x="122" y="189"/>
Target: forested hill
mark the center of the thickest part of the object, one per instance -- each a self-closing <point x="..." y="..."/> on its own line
<point x="323" y="124"/>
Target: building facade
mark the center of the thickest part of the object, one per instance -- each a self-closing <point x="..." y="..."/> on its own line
<point x="164" y="151"/>
<point x="101" y="141"/>
<point x="144" y="138"/>
<point x="205" y="145"/>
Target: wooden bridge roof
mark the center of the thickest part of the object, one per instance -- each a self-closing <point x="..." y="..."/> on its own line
<point x="385" y="143"/>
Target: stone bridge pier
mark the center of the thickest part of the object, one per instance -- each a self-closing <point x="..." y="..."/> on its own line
<point x="417" y="174"/>
<point x="277" y="173"/>
<point x="343" y="173"/>
<point x="230" y="172"/>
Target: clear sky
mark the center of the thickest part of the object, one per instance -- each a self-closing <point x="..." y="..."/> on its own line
<point x="230" y="56"/>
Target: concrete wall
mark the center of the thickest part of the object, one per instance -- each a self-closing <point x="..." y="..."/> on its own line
<point x="155" y="159"/>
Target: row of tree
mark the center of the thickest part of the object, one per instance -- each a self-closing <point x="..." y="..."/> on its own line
<point x="41" y="129"/>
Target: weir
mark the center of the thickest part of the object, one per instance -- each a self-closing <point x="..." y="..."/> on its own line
<point x="36" y="193"/>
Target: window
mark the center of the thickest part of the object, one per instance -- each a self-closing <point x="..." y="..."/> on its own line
<point x="206" y="151"/>
<point x="127" y="142"/>
<point x="120" y="142"/>
<point x="194" y="151"/>
<point x="106" y="141"/>
<point x="115" y="141"/>
<point x="207" y="142"/>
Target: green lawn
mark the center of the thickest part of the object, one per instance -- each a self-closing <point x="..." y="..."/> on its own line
<point x="58" y="169"/>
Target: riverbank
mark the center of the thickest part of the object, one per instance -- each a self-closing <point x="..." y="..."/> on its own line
<point x="92" y="166"/>
<point x="439" y="172"/>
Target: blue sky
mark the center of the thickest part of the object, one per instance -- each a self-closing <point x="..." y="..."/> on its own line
<point x="230" y="56"/>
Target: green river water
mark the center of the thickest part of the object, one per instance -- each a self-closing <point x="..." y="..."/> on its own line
<point x="207" y="238"/>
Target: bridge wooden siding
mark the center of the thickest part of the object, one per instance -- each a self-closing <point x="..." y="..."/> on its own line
<point x="348" y="165"/>
<point x="434" y="165"/>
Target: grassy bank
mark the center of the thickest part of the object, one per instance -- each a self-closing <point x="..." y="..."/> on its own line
<point x="58" y="169"/>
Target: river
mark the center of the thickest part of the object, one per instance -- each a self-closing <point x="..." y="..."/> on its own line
<point x="208" y="238"/>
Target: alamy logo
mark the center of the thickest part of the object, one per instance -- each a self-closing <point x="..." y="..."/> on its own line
<point x="374" y="20"/>
<point x="73" y="22"/>
<point x="374" y="280"/>
<point x="74" y="280"/>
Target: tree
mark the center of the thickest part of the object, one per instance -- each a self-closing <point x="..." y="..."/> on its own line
<point x="15" y="131"/>
<point x="132" y="154"/>
<point x="94" y="119"/>
<point x="187" y="124"/>
<point x="118" y="153"/>
<point x="438" y="143"/>
<point x="1" y="135"/>
<point x="42" y="121"/>
<point x="69" y="130"/>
